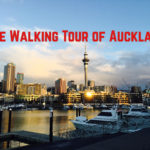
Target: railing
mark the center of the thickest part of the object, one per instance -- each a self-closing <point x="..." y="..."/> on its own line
<point x="76" y="133"/>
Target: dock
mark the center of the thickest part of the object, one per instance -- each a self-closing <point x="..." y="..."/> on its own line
<point x="25" y="137"/>
<point x="138" y="140"/>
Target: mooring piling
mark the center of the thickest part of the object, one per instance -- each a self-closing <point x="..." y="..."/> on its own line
<point x="1" y="118"/>
<point x="51" y="126"/>
<point x="9" y="121"/>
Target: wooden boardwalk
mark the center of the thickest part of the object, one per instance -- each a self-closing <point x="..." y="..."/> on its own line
<point x="26" y="137"/>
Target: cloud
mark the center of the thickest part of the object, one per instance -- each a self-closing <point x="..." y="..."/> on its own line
<point x="42" y="64"/>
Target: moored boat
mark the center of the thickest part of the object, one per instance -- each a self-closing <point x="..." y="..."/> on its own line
<point x="106" y="122"/>
<point x="138" y="116"/>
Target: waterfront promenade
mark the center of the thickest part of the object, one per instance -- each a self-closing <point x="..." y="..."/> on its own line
<point x="139" y="140"/>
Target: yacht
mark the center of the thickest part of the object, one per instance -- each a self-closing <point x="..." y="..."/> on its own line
<point x="75" y="106"/>
<point x="138" y="112"/>
<point x="88" y="106"/>
<point x="66" y="107"/>
<point x="106" y="122"/>
<point x="137" y="115"/>
<point x="103" y="106"/>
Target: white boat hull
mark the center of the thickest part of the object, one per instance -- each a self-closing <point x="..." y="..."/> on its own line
<point x="94" y="128"/>
<point x="137" y="121"/>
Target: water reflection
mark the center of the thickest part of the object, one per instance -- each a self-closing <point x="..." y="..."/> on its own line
<point x="38" y="121"/>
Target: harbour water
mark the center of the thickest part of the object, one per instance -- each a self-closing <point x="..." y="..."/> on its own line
<point x="38" y="121"/>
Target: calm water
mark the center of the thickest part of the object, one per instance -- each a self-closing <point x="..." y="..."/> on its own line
<point x="38" y="121"/>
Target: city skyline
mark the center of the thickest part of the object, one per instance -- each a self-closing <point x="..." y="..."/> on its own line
<point x="125" y="83"/>
<point x="110" y="63"/>
<point x="18" y="78"/>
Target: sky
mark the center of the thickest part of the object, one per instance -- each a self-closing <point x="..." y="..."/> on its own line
<point x="115" y="63"/>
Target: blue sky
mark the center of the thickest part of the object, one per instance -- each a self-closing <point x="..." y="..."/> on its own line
<point x="82" y="15"/>
<point x="77" y="15"/>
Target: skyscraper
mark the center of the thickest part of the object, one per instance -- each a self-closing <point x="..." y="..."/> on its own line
<point x="85" y="62"/>
<point x="9" y="78"/>
<point x="60" y="86"/>
<point x="81" y="87"/>
<point x="71" y="83"/>
<point x="91" y="84"/>
<point x="20" y="78"/>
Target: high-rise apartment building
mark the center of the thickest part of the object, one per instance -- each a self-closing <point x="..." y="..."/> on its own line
<point x="60" y="86"/>
<point x="71" y="83"/>
<point x="9" y="78"/>
<point x="81" y="87"/>
<point x="91" y="84"/>
<point x="30" y="91"/>
<point x="20" y="78"/>
<point x="108" y="89"/>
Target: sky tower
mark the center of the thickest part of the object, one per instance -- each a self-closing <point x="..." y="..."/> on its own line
<point x="85" y="62"/>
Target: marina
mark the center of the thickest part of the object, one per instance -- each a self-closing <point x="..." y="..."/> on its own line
<point x="38" y="122"/>
<point x="31" y="127"/>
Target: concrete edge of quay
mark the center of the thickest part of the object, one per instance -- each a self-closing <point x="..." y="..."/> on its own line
<point x="139" y="140"/>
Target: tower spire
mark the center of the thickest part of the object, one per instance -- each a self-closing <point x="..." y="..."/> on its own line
<point x="85" y="62"/>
